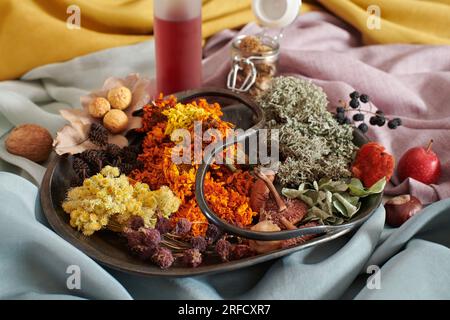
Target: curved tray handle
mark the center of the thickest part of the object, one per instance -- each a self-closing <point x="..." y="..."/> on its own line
<point x="246" y="233"/>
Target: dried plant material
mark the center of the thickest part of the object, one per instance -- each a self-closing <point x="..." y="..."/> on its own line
<point x="120" y="97"/>
<point x="99" y="107"/>
<point x="73" y="138"/>
<point x="116" y="121"/>
<point x="30" y="141"/>
<point x="312" y="144"/>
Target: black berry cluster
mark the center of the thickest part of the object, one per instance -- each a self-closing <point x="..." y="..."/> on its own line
<point x="357" y="101"/>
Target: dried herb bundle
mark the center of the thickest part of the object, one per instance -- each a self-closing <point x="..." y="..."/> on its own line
<point x="312" y="144"/>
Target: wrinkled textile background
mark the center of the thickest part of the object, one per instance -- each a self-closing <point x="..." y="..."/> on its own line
<point x="34" y="32"/>
<point x="403" y="80"/>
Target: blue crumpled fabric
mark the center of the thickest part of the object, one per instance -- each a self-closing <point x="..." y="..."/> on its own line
<point x="414" y="262"/>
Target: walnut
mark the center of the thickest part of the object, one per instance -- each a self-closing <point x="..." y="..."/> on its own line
<point x="30" y="141"/>
<point x="120" y="98"/>
<point x="115" y="121"/>
<point x="99" y="107"/>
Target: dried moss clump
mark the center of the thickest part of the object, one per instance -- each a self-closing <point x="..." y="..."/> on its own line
<point x="312" y="144"/>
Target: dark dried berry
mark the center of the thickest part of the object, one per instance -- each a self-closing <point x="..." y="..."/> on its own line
<point x="340" y="116"/>
<point x="364" y="98"/>
<point x="373" y="121"/>
<point x="354" y="95"/>
<point x="98" y="134"/>
<point x="381" y="121"/>
<point x="363" y="127"/>
<point x="340" y="110"/>
<point x="380" y="113"/>
<point x="398" y="121"/>
<point x="347" y="121"/>
<point x="392" y="125"/>
<point x="358" y="117"/>
<point x="354" y="104"/>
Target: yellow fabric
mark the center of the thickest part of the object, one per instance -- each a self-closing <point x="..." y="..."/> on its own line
<point x="402" y="21"/>
<point x="34" y="32"/>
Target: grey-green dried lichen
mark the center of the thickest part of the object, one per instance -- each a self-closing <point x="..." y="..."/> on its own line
<point x="312" y="144"/>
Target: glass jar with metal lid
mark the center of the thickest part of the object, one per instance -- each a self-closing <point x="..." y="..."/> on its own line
<point x="254" y="63"/>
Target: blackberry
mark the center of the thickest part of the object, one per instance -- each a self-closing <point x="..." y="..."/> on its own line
<point x="363" y="128"/>
<point x="98" y="134"/>
<point x="358" y="117"/>
<point x="364" y="98"/>
<point x="354" y="95"/>
<point x="354" y="104"/>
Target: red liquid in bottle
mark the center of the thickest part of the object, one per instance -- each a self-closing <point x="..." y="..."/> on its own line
<point x="178" y="55"/>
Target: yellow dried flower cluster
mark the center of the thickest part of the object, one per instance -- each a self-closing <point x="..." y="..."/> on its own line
<point x="110" y="195"/>
<point x="182" y="116"/>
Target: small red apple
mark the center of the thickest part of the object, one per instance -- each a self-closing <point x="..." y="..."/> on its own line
<point x="421" y="164"/>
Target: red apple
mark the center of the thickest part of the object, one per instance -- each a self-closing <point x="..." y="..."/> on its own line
<point x="421" y="164"/>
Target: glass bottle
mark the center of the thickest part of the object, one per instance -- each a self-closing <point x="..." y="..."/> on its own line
<point x="178" y="42"/>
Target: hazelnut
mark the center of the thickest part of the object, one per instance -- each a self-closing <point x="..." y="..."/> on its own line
<point x="115" y="121"/>
<point x="30" y="141"/>
<point x="120" y="98"/>
<point x="99" y="107"/>
<point x="399" y="209"/>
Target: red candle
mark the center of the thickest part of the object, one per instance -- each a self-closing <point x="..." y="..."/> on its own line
<point x="178" y="41"/>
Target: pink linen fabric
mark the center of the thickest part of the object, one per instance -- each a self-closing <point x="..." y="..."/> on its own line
<point x="407" y="81"/>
